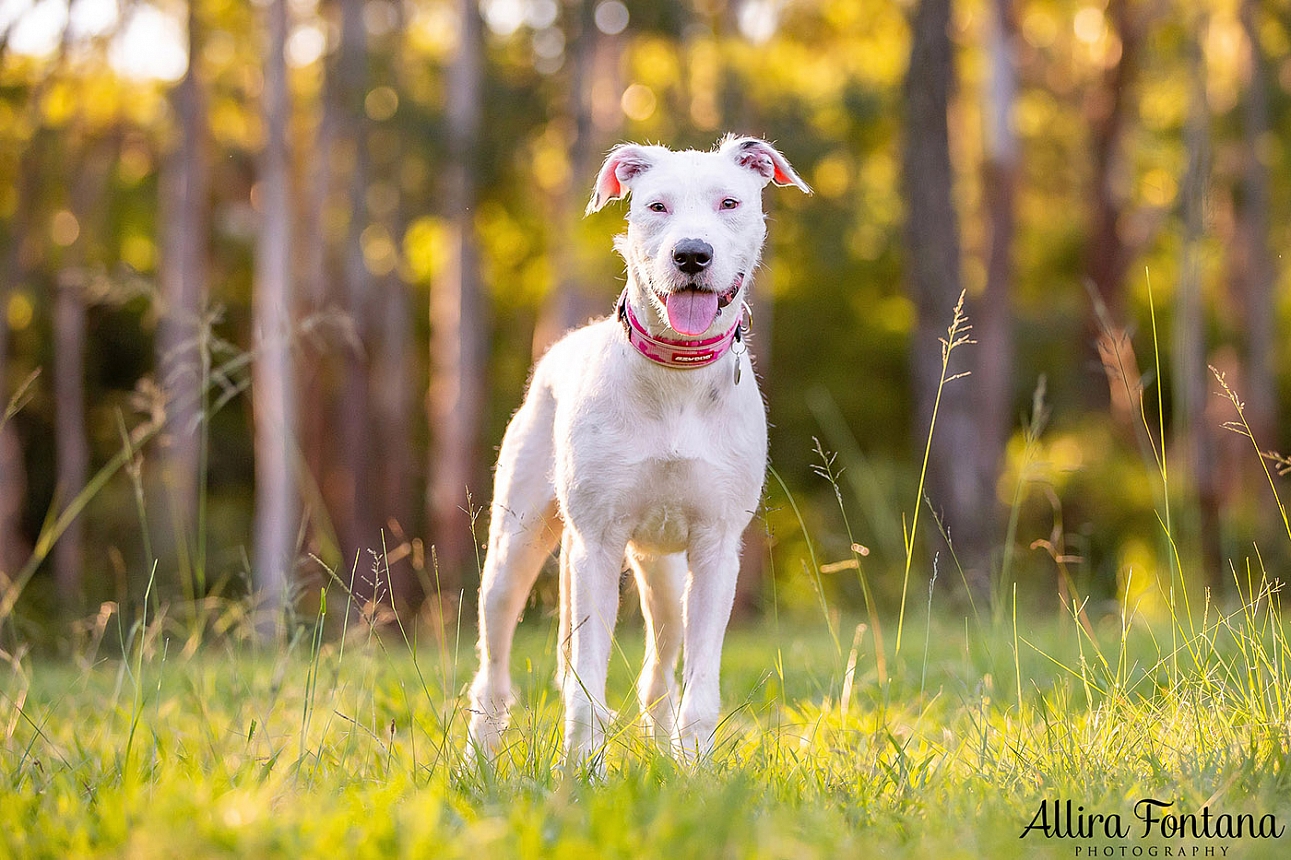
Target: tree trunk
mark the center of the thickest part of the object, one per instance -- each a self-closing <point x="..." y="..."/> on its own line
<point x="457" y="323"/>
<point x="392" y="413"/>
<point x="933" y="272"/>
<point x="1107" y="253"/>
<point x="992" y="315"/>
<point x="71" y="443"/>
<point x="276" y="506"/>
<point x="13" y="495"/>
<point x="392" y="377"/>
<point x="317" y="300"/>
<point x="593" y="58"/>
<point x="356" y="521"/>
<point x="72" y="448"/>
<point x="13" y="469"/>
<point x="1258" y="300"/>
<point x="183" y="207"/>
<point x="1191" y="378"/>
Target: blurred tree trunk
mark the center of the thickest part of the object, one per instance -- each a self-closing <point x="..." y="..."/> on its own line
<point x="183" y="209"/>
<point x="1191" y="378"/>
<point x="13" y="267"/>
<point x="272" y="379"/>
<point x="392" y="414"/>
<point x="13" y="496"/>
<point x="72" y="451"/>
<point x="391" y="364"/>
<point x="319" y="301"/>
<point x="1257" y="272"/>
<point x="13" y="469"/>
<point x="933" y="272"/>
<point x="992" y="314"/>
<point x="356" y="520"/>
<point x="71" y="442"/>
<point x="593" y="57"/>
<point x="1108" y="254"/>
<point x="315" y="293"/>
<point x="13" y="472"/>
<point x="457" y="323"/>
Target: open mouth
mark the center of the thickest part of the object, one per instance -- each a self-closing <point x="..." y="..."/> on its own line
<point x="691" y="310"/>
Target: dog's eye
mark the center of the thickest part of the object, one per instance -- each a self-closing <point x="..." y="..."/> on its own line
<point x="730" y="203"/>
<point x="657" y="207"/>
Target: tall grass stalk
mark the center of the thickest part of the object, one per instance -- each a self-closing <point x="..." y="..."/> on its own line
<point x="957" y="335"/>
<point x="21" y="397"/>
<point x="1031" y="432"/>
<point x="1243" y="428"/>
<point x="814" y="573"/>
<point x="134" y="470"/>
<point x="927" y="633"/>
<point x="138" y="633"/>
<point x="827" y="471"/>
<point x="311" y="681"/>
<point x="1177" y="582"/>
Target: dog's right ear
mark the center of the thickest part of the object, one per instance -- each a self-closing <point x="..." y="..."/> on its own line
<point x="763" y="159"/>
<point x="624" y="163"/>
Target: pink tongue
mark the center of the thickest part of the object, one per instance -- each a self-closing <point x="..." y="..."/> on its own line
<point x="691" y="311"/>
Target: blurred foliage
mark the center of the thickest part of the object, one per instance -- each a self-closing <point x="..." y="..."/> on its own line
<point x="821" y="78"/>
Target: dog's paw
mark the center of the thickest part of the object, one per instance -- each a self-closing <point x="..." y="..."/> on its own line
<point x="692" y="743"/>
<point x="484" y="734"/>
<point x="489" y="709"/>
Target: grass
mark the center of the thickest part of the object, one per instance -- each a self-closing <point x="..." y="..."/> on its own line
<point x="356" y="747"/>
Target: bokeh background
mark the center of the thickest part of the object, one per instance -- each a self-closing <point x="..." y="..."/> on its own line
<point x="272" y="275"/>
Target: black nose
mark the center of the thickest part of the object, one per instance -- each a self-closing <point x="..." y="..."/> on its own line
<point x="692" y="256"/>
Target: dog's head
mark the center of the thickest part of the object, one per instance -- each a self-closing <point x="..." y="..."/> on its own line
<point x="695" y="224"/>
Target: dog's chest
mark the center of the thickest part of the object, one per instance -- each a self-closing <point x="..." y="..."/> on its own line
<point x="665" y="463"/>
<point x="681" y="488"/>
<point x="666" y="505"/>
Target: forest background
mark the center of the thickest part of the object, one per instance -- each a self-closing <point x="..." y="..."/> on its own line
<point x="272" y="276"/>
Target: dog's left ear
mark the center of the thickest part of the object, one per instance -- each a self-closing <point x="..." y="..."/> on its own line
<point x="763" y="159"/>
<point x="625" y="162"/>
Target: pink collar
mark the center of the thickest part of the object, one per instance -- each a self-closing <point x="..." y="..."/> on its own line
<point x="674" y="352"/>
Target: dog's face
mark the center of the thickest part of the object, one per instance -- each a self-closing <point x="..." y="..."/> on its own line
<point x="695" y="225"/>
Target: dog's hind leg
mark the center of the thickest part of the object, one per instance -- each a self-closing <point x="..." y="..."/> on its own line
<point x="565" y="635"/>
<point x="661" y="581"/>
<point x="523" y="529"/>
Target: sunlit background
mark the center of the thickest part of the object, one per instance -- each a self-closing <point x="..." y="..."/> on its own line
<point x="1143" y="146"/>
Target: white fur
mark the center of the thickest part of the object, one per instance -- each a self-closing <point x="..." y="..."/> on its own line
<point x="615" y="457"/>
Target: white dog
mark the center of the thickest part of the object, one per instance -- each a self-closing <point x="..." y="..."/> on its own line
<point x="642" y="435"/>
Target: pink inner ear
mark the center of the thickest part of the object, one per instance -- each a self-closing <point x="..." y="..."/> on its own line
<point x="762" y="159"/>
<point x="622" y="165"/>
<point x="608" y="187"/>
<point x="756" y="159"/>
<point x="780" y="177"/>
<point x="628" y="166"/>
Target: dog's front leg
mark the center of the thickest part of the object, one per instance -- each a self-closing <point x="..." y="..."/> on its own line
<point x="661" y="581"/>
<point x="592" y="571"/>
<point x="710" y="594"/>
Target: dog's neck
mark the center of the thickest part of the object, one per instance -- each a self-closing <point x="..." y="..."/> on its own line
<point x="674" y="352"/>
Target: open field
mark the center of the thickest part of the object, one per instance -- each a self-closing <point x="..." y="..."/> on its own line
<point x="355" y="747"/>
